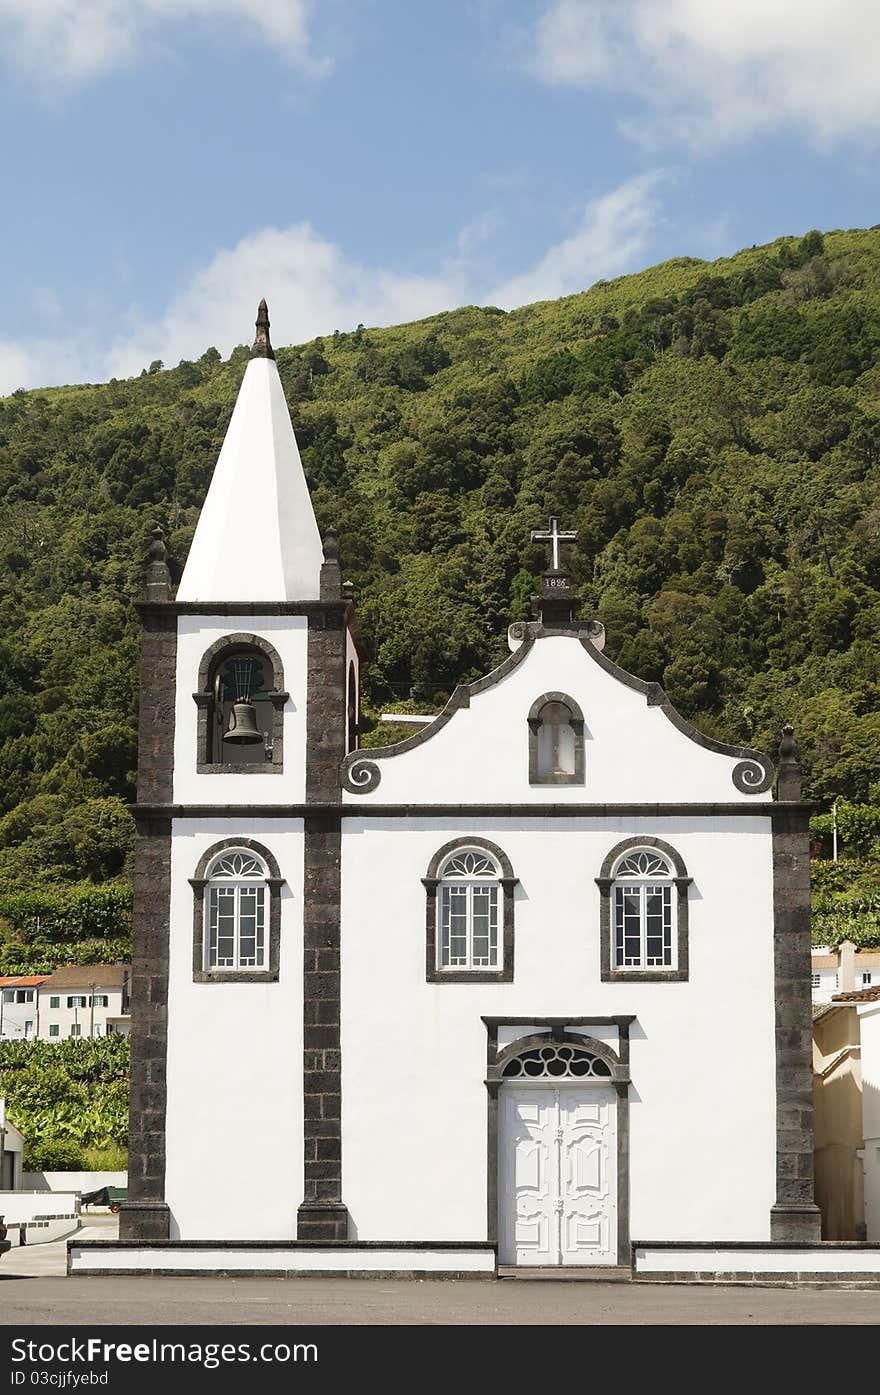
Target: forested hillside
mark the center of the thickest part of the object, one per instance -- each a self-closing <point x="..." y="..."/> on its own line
<point x="711" y="430"/>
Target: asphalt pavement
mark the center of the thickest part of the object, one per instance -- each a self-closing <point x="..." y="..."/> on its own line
<point x="36" y="1289"/>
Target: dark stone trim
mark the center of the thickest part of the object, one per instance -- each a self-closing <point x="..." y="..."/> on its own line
<point x="783" y="1246"/>
<point x="145" y="1214"/>
<point x="198" y="883"/>
<point x="204" y="700"/>
<point x="147" y="1221"/>
<point x="322" y="1214"/>
<point x="508" y="881"/>
<point x="795" y="1216"/>
<point x="776" y="812"/>
<point x="156" y="703"/>
<point x="608" y="972"/>
<point x="620" y="1079"/>
<point x="601" y="1049"/>
<point x="361" y="774"/>
<point x="326" y="706"/>
<point x="575" y="721"/>
<point x="307" y="607"/>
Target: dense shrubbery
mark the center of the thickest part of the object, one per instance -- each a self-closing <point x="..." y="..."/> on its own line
<point x="712" y="431"/>
<point x="69" y="1099"/>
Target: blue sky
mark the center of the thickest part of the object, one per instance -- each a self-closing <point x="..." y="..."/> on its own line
<point x="167" y="162"/>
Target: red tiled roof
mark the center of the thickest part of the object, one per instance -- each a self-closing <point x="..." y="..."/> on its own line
<point x="23" y="980"/>
<point x="860" y="995"/>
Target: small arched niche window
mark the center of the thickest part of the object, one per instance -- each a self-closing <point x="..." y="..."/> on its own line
<point x="644" y="912"/>
<point x="241" y="701"/>
<point x="470" y="886"/>
<point x="556" y="741"/>
<point x="237" y="914"/>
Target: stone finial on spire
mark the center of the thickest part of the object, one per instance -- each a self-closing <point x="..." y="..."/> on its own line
<point x="261" y="347"/>
<point x="788" y="779"/>
<point x="158" y="578"/>
<point x="331" y="575"/>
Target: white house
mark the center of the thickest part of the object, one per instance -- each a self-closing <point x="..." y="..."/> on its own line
<point x="842" y="969"/>
<point x="11" y="1153"/>
<point x="19" y="1016"/>
<point x="530" y="986"/>
<point x="84" y="1000"/>
<point x="846" y="1049"/>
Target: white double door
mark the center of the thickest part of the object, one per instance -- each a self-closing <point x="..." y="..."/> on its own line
<point x="558" y="1174"/>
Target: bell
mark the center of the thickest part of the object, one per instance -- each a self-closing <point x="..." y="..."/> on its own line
<point x="243" y="727"/>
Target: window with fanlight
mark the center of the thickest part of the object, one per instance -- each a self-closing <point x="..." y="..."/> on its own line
<point x="236" y="895"/>
<point x="644" y="912"/>
<point x="469" y="913"/>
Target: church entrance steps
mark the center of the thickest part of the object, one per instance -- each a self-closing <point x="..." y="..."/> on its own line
<point x="567" y="1273"/>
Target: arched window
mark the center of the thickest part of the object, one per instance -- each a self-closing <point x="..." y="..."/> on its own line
<point x="644" y="911"/>
<point x="241" y="705"/>
<point x="237" y="913"/>
<point x="556" y="741"/>
<point x="468" y="912"/>
<point x="470" y="886"/>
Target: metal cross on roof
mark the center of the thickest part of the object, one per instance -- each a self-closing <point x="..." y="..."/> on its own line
<point x="554" y="537"/>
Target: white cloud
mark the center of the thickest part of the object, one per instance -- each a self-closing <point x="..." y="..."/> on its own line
<point x="75" y="40"/>
<point x="716" y="71"/>
<point x="313" y="288"/>
<point x="612" y="233"/>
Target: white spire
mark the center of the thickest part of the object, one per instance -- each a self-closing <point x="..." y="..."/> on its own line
<point x="257" y="538"/>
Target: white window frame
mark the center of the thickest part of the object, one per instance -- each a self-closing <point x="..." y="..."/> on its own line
<point x="817" y="980"/>
<point x="224" y="884"/>
<point x="467" y="888"/>
<point x="866" y="978"/>
<point x="77" y="1000"/>
<point x="100" y="1000"/>
<point x="658" y="877"/>
<point x="75" y="1029"/>
<point x="54" y="1029"/>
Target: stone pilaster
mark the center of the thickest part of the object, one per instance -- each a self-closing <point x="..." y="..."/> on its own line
<point x="145" y="1214"/>
<point x="795" y="1215"/>
<point x="323" y="1215"/>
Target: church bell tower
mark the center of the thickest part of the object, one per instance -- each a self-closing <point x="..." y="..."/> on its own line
<point x="248" y="705"/>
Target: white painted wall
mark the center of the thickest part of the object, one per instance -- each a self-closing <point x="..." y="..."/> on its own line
<point x="195" y="634"/>
<point x="869" y="1025"/>
<point x="256" y="539"/>
<point x="73" y="1181"/>
<point x="632" y="751"/>
<point x="234" y="1118"/>
<point x="91" y="1021"/>
<point x="702" y="1112"/>
<point x="18" y="1021"/>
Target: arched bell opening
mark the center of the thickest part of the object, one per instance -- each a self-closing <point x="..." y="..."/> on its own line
<point x="241" y="700"/>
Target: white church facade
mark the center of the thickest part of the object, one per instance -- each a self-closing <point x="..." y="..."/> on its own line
<point x="528" y="989"/>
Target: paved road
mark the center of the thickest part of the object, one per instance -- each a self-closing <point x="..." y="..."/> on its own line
<point x="34" y="1289"/>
